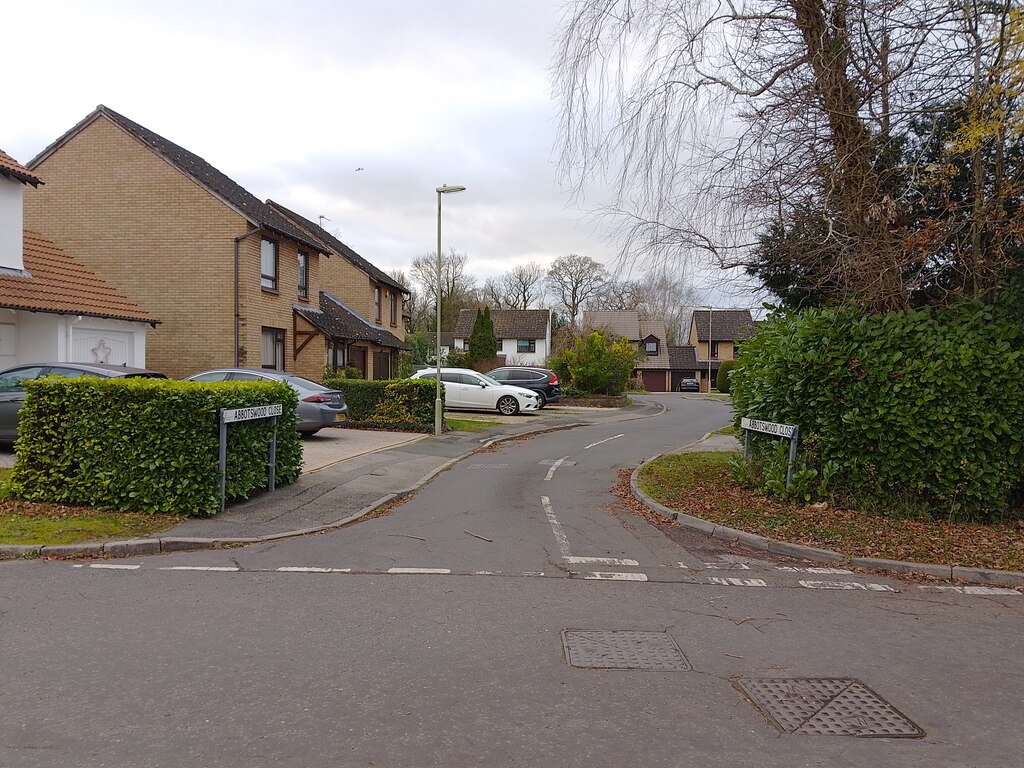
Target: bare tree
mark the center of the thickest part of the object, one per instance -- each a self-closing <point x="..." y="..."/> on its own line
<point x="494" y="292"/>
<point x="524" y="285"/>
<point x="573" y="280"/>
<point x="458" y="289"/>
<point x="658" y="295"/>
<point x="719" y="119"/>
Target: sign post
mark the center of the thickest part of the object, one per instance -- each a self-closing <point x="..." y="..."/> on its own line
<point x="232" y="415"/>
<point x="786" y="431"/>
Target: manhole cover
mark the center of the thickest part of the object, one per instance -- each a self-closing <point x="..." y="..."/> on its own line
<point x="828" y="706"/>
<point x="601" y="649"/>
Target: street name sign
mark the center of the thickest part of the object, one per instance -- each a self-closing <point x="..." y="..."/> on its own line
<point x="229" y="415"/>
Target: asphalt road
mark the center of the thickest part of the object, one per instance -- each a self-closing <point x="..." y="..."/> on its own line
<point x="437" y="635"/>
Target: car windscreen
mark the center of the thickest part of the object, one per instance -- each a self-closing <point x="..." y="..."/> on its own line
<point x="298" y="381"/>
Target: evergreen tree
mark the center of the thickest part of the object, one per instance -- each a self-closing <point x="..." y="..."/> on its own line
<point x="482" y="342"/>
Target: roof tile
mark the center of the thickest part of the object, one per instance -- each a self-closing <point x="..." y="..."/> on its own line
<point x="508" y="323"/>
<point x="13" y="169"/>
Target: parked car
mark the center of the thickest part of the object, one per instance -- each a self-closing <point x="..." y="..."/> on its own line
<point x="319" y="406"/>
<point x="689" y="385"/>
<point x="12" y="385"/>
<point x="471" y="390"/>
<point x="541" y="380"/>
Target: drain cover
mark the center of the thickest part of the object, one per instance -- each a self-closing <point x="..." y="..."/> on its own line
<point x="601" y="649"/>
<point x="828" y="706"/>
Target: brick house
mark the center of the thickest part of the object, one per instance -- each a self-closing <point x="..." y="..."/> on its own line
<point x="716" y="335"/>
<point x="648" y="336"/>
<point x="54" y="308"/>
<point x="524" y="335"/>
<point x="225" y="272"/>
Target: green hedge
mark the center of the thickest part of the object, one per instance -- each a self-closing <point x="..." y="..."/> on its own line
<point x="914" y="413"/>
<point x="404" y="404"/>
<point x="147" y="444"/>
<point x="722" y="382"/>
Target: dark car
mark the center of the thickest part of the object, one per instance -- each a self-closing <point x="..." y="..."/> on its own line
<point x="541" y="380"/>
<point x="318" y="407"/>
<point x="12" y="388"/>
<point x="688" y="385"/>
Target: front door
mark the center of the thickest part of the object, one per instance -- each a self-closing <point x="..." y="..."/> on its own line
<point x="357" y="359"/>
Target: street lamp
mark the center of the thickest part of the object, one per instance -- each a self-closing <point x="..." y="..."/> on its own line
<point x="444" y="189"/>
<point x="710" y="310"/>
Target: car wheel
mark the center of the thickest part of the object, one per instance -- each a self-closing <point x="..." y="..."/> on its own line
<point x="508" y="405"/>
<point x="541" y="400"/>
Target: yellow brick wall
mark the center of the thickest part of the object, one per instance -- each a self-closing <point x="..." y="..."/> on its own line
<point x="168" y="244"/>
<point x="343" y="279"/>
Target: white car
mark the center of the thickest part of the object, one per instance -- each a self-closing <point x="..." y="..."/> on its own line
<point x="470" y="390"/>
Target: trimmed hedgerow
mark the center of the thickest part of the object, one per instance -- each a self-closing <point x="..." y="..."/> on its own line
<point x="917" y="413"/>
<point x="147" y="444"/>
<point x="403" y="404"/>
<point x="722" y="382"/>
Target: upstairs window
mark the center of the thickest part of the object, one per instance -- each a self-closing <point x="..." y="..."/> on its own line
<point x="394" y="309"/>
<point x="376" y="304"/>
<point x="652" y="348"/>
<point x="714" y="350"/>
<point x="268" y="265"/>
<point x="303" y="275"/>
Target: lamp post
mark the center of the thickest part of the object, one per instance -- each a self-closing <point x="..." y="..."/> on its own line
<point x="709" y="349"/>
<point x="444" y="189"/>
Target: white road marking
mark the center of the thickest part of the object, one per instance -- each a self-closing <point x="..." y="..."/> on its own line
<point x="727" y="566"/>
<point x="420" y="570"/>
<point x="200" y="568"/>
<point x="533" y="573"/>
<point x="301" y="569"/>
<point x="846" y="585"/>
<point x="603" y="441"/>
<point x="115" y="566"/>
<point x="794" y="569"/>
<point x="560" y="537"/>
<point x="555" y="466"/>
<point x="606" y="576"/>
<point x="973" y="590"/>
<point x="684" y="565"/>
<point x="601" y="561"/>
<point x="734" y="582"/>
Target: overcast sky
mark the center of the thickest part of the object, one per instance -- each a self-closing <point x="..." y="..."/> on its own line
<point x="290" y="98"/>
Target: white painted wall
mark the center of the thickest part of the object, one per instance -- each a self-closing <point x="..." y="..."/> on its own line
<point x="11" y="224"/>
<point x="39" y="337"/>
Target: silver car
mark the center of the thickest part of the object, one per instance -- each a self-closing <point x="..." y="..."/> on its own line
<point x="12" y="387"/>
<point x="319" y="406"/>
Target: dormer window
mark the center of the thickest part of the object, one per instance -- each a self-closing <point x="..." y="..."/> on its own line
<point x="651" y="347"/>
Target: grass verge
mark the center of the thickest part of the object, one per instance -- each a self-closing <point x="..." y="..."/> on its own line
<point x="470" y="425"/>
<point x="699" y="485"/>
<point x="28" y="523"/>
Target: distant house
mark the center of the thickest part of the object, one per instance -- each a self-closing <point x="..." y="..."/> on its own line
<point x="716" y="335"/>
<point x="54" y="308"/>
<point x="682" y="362"/>
<point x="648" y="336"/>
<point x="234" y="280"/>
<point x="524" y="335"/>
<point x="447" y="342"/>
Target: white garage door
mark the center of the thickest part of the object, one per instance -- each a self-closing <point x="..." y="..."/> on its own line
<point x="99" y="346"/>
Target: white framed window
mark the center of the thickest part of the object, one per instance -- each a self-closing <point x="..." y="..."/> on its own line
<point x="268" y="265"/>
<point x="303" y="275"/>
<point x="272" y="355"/>
<point x="652" y="348"/>
<point x="526" y="345"/>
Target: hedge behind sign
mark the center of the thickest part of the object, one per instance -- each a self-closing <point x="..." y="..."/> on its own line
<point x="147" y="444"/>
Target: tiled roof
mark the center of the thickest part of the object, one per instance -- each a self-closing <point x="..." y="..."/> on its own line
<point x="334" y="245"/>
<point x="447" y="339"/>
<point x="682" y="358"/>
<point x="55" y="282"/>
<point x="192" y="165"/>
<point x="626" y="323"/>
<point x="337" y="321"/>
<point x="508" y="323"/>
<point x="12" y="169"/>
<point x="726" y="324"/>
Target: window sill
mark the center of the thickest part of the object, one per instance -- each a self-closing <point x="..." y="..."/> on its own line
<point x="272" y="291"/>
<point x="303" y="299"/>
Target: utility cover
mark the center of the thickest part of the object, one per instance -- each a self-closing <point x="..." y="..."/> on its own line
<point x="827" y="706"/>
<point x="619" y="649"/>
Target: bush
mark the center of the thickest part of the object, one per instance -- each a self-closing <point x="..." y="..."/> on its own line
<point x="147" y="444"/>
<point x="599" y="365"/>
<point x="722" y="380"/>
<point x="406" y="404"/>
<point x="456" y="358"/>
<point x="925" y="408"/>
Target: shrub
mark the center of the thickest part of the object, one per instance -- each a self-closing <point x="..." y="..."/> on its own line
<point x="395" y="404"/>
<point x="925" y="407"/>
<point x="456" y="358"/>
<point x="600" y="365"/>
<point x="147" y="445"/>
<point x="722" y="380"/>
